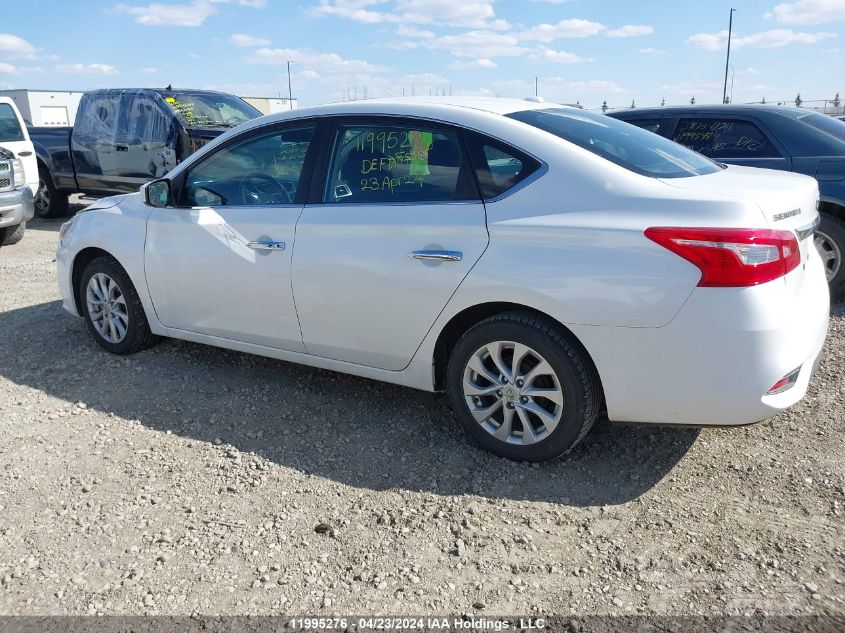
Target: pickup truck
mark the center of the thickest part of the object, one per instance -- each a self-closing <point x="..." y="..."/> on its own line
<point x="122" y="138"/>
<point x="774" y="137"/>
<point x="18" y="173"/>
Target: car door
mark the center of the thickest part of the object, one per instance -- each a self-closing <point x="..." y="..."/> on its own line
<point x="395" y="227"/>
<point x="220" y="264"/>
<point x="93" y="141"/>
<point x="733" y="140"/>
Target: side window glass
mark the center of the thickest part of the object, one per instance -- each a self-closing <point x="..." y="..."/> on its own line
<point x="10" y="129"/>
<point x="263" y="170"/>
<point x="499" y="167"/>
<point x="396" y="163"/>
<point x="724" y="138"/>
<point x="143" y="120"/>
<point x="99" y="117"/>
<point x="652" y="125"/>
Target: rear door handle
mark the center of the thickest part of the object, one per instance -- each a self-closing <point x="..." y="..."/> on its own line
<point x="266" y="246"/>
<point x="443" y="256"/>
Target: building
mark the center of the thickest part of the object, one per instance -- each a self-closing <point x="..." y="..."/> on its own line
<point x="45" y="107"/>
<point x="271" y="105"/>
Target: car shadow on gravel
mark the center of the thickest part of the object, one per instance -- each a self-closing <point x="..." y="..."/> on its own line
<point x="354" y="431"/>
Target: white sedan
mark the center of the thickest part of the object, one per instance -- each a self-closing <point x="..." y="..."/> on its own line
<point x="541" y="264"/>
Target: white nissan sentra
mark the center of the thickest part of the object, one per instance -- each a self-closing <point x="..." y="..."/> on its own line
<point x="541" y="264"/>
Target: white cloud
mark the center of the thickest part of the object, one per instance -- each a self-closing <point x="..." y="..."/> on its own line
<point x="774" y="38"/>
<point x="242" y="39"/>
<point x="12" y="46"/>
<point x="477" y="63"/>
<point x="479" y="44"/>
<point x="149" y="70"/>
<point x="330" y="62"/>
<point x="630" y="30"/>
<point x="88" y="69"/>
<point x="412" y="31"/>
<point x="652" y="51"/>
<point x="8" y="69"/>
<point x="808" y="12"/>
<point x="190" y="14"/>
<point x="474" y="14"/>
<point x="571" y="28"/>
<point x="560" y="57"/>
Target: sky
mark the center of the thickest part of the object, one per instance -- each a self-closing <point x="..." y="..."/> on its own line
<point x="584" y="51"/>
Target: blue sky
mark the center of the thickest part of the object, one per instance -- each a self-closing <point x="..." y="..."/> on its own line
<point x="581" y="50"/>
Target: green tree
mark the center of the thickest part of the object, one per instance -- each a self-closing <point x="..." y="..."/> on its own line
<point x="763" y="101"/>
<point x="663" y="101"/>
<point x="836" y="101"/>
<point x="692" y="101"/>
<point x="798" y="100"/>
<point x="603" y="107"/>
<point x="633" y="104"/>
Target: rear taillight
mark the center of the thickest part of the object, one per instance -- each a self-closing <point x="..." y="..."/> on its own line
<point x="732" y="257"/>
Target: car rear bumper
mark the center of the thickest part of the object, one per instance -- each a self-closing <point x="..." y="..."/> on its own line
<point x="715" y="362"/>
<point x="16" y="206"/>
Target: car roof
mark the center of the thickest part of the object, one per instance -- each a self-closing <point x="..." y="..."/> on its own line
<point x="716" y="108"/>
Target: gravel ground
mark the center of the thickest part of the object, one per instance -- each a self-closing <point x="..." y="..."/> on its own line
<point x="188" y="479"/>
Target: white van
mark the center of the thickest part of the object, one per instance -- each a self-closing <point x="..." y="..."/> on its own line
<point x="18" y="174"/>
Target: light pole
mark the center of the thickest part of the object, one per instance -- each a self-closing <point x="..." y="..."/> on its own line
<point x="728" y="60"/>
<point x="290" y="89"/>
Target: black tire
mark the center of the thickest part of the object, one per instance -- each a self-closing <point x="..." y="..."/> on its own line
<point x="137" y="335"/>
<point x="577" y="378"/>
<point x="832" y="229"/>
<point x="49" y="201"/>
<point x="12" y="234"/>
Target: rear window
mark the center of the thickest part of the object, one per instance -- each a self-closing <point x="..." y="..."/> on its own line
<point x="10" y="129"/>
<point x="825" y="123"/>
<point x="626" y="145"/>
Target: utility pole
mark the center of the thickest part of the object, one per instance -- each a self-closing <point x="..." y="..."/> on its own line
<point x="536" y="86"/>
<point x="290" y="89"/>
<point x="728" y="60"/>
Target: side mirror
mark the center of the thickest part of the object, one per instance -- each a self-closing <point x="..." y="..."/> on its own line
<point x="157" y="193"/>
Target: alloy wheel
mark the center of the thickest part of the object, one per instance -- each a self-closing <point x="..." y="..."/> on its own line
<point x="107" y="308"/>
<point x="830" y="253"/>
<point x="513" y="392"/>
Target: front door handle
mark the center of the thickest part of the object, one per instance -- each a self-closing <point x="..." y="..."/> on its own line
<point x="443" y="256"/>
<point x="266" y="246"/>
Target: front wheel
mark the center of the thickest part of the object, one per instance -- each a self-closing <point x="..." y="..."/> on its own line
<point x="522" y="389"/>
<point x="12" y="234"/>
<point x="112" y="309"/>
<point x="830" y="242"/>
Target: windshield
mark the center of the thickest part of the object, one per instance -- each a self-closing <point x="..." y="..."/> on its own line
<point x="208" y="109"/>
<point x="10" y="129"/>
<point x="826" y="124"/>
<point x="626" y="145"/>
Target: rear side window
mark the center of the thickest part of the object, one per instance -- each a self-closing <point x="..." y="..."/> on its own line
<point x="397" y="162"/>
<point x="498" y="167"/>
<point x="724" y="138"/>
<point x="10" y="129"/>
<point x="618" y="142"/>
<point x="652" y="125"/>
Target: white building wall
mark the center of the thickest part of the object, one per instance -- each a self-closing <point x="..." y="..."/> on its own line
<point x="270" y="105"/>
<point x="46" y="107"/>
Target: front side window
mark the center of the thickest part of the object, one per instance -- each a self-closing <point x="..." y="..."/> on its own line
<point x="652" y="125"/>
<point x="393" y="163"/>
<point x="262" y="170"/>
<point x="10" y="128"/>
<point x="724" y="138"/>
<point x="626" y="145"/>
<point x="209" y="109"/>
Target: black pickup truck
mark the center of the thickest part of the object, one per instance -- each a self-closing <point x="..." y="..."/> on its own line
<point x="124" y="138"/>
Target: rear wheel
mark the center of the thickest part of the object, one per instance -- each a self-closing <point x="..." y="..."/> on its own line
<point x="49" y="201"/>
<point x="521" y="388"/>
<point x="112" y="309"/>
<point x="830" y="242"/>
<point x="12" y="234"/>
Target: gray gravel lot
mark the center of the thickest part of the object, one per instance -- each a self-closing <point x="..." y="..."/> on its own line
<point x="188" y="479"/>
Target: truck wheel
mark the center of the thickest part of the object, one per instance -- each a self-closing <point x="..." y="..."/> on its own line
<point x="830" y="242"/>
<point x="12" y="234"/>
<point x="49" y="201"/>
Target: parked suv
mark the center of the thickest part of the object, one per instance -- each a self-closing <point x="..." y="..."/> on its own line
<point x="123" y="138"/>
<point x="773" y="137"/>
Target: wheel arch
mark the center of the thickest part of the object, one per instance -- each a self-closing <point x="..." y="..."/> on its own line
<point x="836" y="208"/>
<point x="80" y="261"/>
<point x="451" y="333"/>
